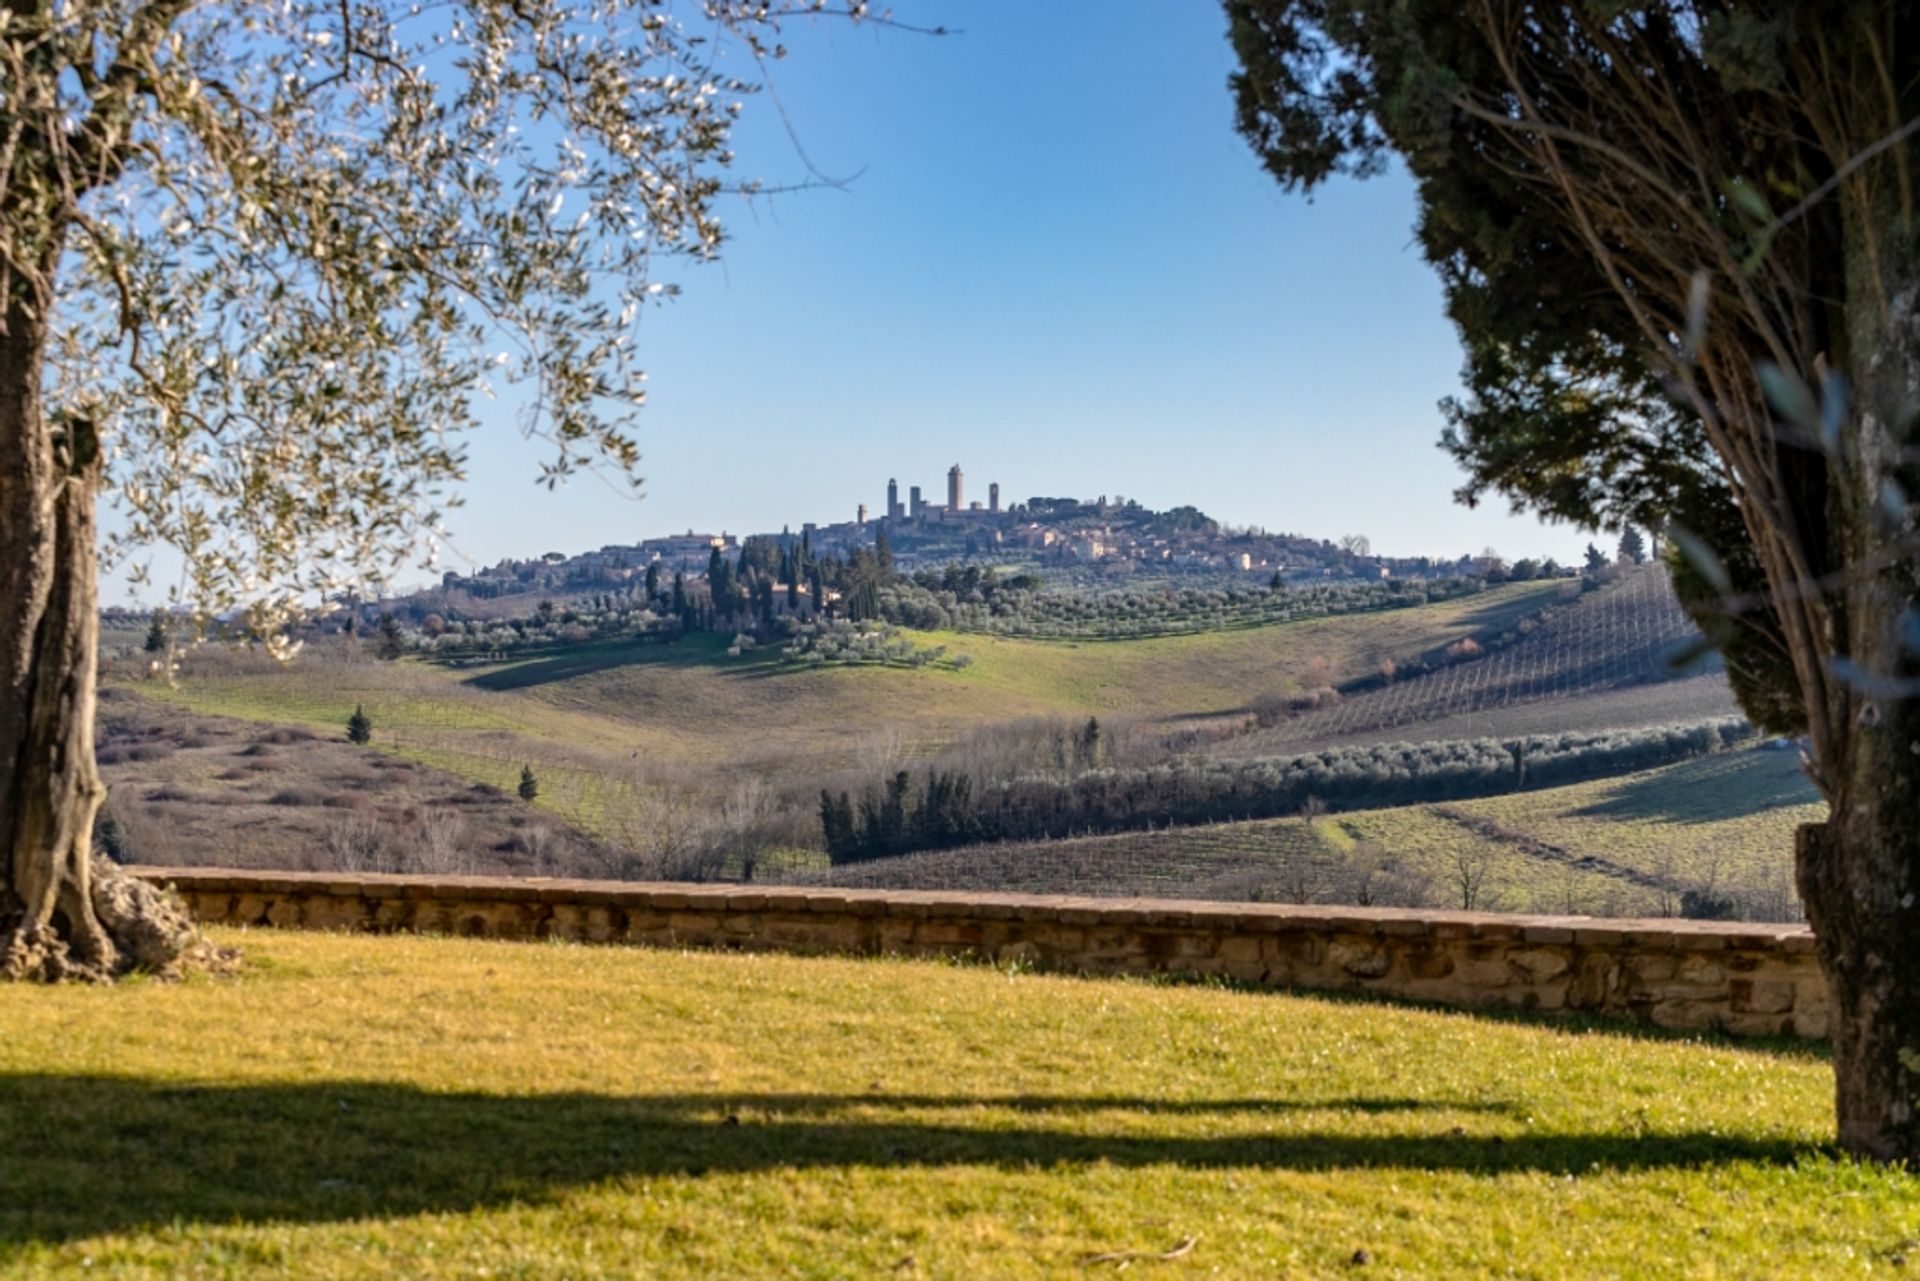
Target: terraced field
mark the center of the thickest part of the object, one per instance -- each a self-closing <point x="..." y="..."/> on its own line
<point x="1722" y="825"/>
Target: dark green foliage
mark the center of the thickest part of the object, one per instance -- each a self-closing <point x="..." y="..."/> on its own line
<point x="1091" y="749"/>
<point x="529" y="788"/>
<point x="723" y="585"/>
<point x="360" y="727"/>
<point x="156" y="641"/>
<point x="1565" y="411"/>
<point x="1708" y="905"/>
<point x="836" y="824"/>
<point x="393" y="641"/>
<point x="972" y="598"/>
<point x="1633" y="546"/>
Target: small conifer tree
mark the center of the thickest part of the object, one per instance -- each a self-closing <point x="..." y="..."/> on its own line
<point x="157" y="632"/>
<point x="359" y="726"/>
<point x="529" y="785"/>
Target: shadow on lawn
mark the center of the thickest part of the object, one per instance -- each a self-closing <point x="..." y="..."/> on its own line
<point x="90" y="1154"/>
<point x="569" y="662"/>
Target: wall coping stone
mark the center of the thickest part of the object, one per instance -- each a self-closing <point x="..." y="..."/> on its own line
<point x="1582" y="931"/>
<point x="1678" y="974"/>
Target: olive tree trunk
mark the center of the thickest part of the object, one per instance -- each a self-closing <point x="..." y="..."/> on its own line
<point x="62" y="913"/>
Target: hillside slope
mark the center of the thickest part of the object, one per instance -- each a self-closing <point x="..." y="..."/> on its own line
<point x="1623" y="638"/>
<point x="1722" y="825"/>
<point x="604" y="710"/>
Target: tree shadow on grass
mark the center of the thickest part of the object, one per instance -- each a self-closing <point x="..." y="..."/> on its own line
<point x="87" y="1155"/>
<point x="552" y="664"/>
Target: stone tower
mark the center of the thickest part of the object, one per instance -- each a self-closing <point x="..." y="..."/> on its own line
<point x="993" y="498"/>
<point x="894" y="510"/>
<point x="956" y="492"/>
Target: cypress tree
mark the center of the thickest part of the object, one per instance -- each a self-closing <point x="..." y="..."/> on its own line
<point x="529" y="788"/>
<point x="359" y="727"/>
<point x="157" y="632"/>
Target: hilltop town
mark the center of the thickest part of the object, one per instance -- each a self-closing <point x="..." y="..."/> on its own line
<point x="1101" y="538"/>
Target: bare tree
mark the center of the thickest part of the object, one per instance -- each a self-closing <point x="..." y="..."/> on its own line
<point x="1471" y="865"/>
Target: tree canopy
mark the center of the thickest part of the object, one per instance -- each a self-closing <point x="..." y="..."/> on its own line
<point x="1680" y="244"/>
<point x="295" y="247"/>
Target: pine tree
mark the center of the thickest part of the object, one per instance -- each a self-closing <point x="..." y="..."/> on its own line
<point x="529" y="785"/>
<point x="157" y="632"/>
<point x="1633" y="547"/>
<point x="359" y="727"/>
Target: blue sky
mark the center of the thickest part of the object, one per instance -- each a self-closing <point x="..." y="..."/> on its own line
<point x="1057" y="265"/>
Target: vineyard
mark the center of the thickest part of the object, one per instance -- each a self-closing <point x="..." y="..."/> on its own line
<point x="1712" y="836"/>
<point x="1626" y="634"/>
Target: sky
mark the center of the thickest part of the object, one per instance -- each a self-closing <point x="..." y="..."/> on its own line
<point x="1052" y="261"/>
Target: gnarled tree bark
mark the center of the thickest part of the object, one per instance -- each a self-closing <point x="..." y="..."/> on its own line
<point x="63" y="914"/>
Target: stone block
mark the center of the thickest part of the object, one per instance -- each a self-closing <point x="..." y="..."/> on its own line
<point x="1541" y="964"/>
<point x="1361" y="958"/>
<point x="1690" y="1016"/>
<point x="1482" y="968"/>
<point x="1651" y="967"/>
<point x="949" y="933"/>
<point x="1695" y="968"/>
<point x="1427" y="961"/>
<point x="1239" y="950"/>
<point x="1745" y="996"/>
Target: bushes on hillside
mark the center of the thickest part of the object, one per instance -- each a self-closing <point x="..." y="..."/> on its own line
<point x="972" y="600"/>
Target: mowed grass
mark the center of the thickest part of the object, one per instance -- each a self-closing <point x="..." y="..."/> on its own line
<point x="359" y="1107"/>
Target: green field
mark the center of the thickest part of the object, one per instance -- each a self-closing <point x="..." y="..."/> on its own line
<point x="607" y="725"/>
<point x="1723" y="822"/>
<point x="1629" y="846"/>
<point x="380" y="1107"/>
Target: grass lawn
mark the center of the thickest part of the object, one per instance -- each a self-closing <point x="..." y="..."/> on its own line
<point x="404" y="1107"/>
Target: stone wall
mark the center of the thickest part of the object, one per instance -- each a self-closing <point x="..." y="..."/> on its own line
<point x="1744" y="979"/>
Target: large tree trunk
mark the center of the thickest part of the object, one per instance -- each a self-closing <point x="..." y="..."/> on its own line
<point x="1859" y="873"/>
<point x="62" y="914"/>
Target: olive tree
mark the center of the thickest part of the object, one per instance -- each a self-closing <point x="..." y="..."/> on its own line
<point x="259" y="266"/>
<point x="1680" y="242"/>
